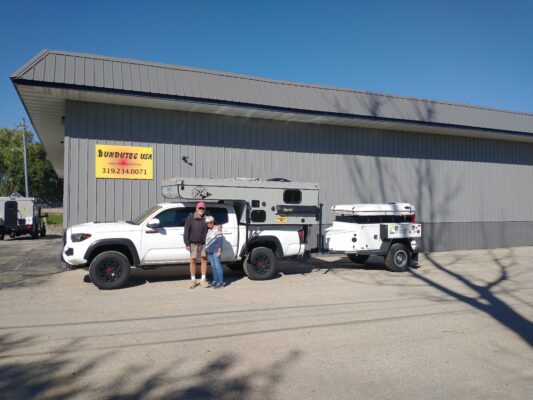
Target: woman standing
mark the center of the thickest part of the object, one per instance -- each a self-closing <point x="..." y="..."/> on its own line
<point x="213" y="249"/>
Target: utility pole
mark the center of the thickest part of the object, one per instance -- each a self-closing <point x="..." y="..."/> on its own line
<point x="25" y="157"/>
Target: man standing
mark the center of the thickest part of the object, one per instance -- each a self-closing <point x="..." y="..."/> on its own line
<point x="194" y="237"/>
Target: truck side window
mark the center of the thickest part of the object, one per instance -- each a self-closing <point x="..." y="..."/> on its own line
<point x="292" y="196"/>
<point x="167" y="218"/>
<point x="174" y="218"/>
<point x="219" y="214"/>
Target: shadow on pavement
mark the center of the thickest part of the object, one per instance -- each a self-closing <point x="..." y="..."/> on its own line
<point x="485" y="300"/>
<point x="61" y="375"/>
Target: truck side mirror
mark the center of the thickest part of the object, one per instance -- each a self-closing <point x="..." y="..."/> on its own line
<point x="153" y="223"/>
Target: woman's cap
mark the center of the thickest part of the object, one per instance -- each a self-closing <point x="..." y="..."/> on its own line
<point x="209" y="218"/>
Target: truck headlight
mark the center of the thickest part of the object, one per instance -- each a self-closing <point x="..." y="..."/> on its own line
<point x="79" y="237"/>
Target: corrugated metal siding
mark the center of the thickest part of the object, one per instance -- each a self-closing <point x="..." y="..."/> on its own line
<point x="449" y="179"/>
<point x="159" y="79"/>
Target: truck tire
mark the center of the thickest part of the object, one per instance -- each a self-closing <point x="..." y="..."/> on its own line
<point x="110" y="270"/>
<point x="398" y="258"/>
<point x="358" y="258"/>
<point x="260" y="264"/>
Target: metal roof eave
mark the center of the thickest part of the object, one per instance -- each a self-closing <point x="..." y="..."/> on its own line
<point x="282" y="113"/>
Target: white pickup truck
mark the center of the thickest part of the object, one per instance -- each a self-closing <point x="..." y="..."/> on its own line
<point x="155" y="238"/>
<point x="389" y="230"/>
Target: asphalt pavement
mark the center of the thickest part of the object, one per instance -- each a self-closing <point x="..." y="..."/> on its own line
<point x="459" y="326"/>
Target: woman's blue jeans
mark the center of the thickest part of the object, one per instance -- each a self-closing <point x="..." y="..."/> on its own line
<point x="216" y="267"/>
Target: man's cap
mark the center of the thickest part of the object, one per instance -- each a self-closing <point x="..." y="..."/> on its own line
<point x="201" y="204"/>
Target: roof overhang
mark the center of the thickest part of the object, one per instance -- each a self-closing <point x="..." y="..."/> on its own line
<point x="45" y="105"/>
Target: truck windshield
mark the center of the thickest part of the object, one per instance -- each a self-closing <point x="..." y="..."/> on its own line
<point x="140" y="219"/>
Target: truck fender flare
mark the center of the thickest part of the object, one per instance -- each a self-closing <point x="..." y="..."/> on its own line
<point x="113" y="242"/>
<point x="258" y="240"/>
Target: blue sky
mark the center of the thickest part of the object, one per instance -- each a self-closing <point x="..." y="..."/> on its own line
<point x="474" y="52"/>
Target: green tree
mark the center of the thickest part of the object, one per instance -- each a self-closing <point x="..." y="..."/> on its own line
<point x="42" y="179"/>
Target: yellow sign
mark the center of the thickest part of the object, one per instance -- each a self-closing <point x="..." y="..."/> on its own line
<point x="124" y="162"/>
<point x="281" y="218"/>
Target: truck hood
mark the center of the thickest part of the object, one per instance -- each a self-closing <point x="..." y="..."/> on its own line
<point x="90" y="227"/>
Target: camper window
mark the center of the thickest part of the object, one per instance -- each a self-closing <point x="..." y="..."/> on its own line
<point x="292" y="196"/>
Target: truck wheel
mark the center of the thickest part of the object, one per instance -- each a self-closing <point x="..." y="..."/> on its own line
<point x="398" y="258"/>
<point x="260" y="264"/>
<point x="358" y="258"/>
<point x="110" y="270"/>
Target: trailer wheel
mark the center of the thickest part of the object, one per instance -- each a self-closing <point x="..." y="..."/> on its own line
<point x="398" y="258"/>
<point x="110" y="270"/>
<point x="260" y="264"/>
<point x="358" y="258"/>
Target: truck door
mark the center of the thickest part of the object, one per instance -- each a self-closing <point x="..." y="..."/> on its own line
<point x="228" y="220"/>
<point x="164" y="245"/>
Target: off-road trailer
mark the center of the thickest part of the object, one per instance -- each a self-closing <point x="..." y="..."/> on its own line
<point x="387" y="230"/>
<point x="21" y="216"/>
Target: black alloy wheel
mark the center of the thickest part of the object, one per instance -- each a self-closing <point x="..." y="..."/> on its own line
<point x="260" y="264"/>
<point x="110" y="270"/>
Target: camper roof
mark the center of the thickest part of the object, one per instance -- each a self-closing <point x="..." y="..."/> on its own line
<point x="241" y="182"/>
<point x="227" y="189"/>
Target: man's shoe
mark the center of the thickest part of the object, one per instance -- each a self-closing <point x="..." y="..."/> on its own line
<point x="204" y="283"/>
<point x="193" y="284"/>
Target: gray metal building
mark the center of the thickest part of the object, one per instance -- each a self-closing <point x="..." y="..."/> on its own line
<point x="469" y="170"/>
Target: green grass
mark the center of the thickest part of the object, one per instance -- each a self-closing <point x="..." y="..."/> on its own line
<point x="55" y="219"/>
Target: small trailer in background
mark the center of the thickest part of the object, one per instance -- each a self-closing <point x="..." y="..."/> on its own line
<point x="388" y="230"/>
<point x="21" y="216"/>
